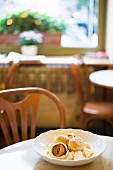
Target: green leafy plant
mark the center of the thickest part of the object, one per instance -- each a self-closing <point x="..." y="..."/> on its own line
<point x="25" y="21"/>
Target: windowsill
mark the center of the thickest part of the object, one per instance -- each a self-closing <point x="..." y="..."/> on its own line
<point x="49" y="50"/>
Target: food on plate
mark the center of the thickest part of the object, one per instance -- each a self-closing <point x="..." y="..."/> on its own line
<point x="69" y="147"/>
<point x="87" y="152"/>
<point x="58" y="150"/>
<point x="71" y="135"/>
<point x="76" y="144"/>
<point x="79" y="156"/>
<point x="62" y="138"/>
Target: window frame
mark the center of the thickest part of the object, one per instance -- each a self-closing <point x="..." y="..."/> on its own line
<point x="67" y="51"/>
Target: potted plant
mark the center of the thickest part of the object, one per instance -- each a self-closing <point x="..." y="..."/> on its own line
<point x="14" y="24"/>
<point x="29" y="41"/>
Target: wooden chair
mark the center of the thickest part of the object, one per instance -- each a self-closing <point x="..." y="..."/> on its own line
<point x="90" y="110"/>
<point x="10" y="77"/>
<point x="27" y="106"/>
<point x="7" y="75"/>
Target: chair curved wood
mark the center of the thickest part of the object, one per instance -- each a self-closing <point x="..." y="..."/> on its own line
<point x="9" y="83"/>
<point x="27" y="106"/>
<point x="90" y="110"/>
<point x="7" y="77"/>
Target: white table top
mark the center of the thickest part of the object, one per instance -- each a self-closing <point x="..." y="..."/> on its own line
<point x="21" y="156"/>
<point x="102" y="78"/>
<point x="91" y="61"/>
<point x="42" y="59"/>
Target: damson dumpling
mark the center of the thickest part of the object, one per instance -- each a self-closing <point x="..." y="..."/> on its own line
<point x="58" y="150"/>
<point x="61" y="138"/>
<point x="76" y="144"/>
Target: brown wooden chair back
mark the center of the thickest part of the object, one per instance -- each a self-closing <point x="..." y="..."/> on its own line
<point x="80" y="82"/>
<point x="7" y="75"/>
<point x="27" y="106"/>
<point x="10" y="77"/>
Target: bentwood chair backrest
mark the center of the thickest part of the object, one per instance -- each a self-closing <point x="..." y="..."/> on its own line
<point x="79" y="83"/>
<point x="10" y="77"/>
<point x="24" y="111"/>
<point x="7" y="74"/>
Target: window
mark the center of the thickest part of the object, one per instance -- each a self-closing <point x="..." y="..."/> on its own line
<point x="81" y="17"/>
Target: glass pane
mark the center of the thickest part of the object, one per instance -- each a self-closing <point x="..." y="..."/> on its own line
<point x="81" y="17"/>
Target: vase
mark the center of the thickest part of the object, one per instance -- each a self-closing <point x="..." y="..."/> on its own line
<point x="29" y="50"/>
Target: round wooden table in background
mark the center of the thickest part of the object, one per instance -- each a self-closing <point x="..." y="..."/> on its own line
<point x="103" y="78"/>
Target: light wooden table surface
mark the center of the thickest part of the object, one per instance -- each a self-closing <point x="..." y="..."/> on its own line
<point x="21" y="156"/>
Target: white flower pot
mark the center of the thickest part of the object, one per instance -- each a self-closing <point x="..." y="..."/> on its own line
<point x="29" y="50"/>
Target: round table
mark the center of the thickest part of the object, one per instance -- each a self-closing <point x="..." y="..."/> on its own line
<point x="102" y="78"/>
<point x="21" y="156"/>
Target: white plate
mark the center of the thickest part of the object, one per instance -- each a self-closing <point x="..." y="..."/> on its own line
<point x="96" y="142"/>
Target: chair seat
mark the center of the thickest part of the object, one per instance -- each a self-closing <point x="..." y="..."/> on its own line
<point x="99" y="108"/>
